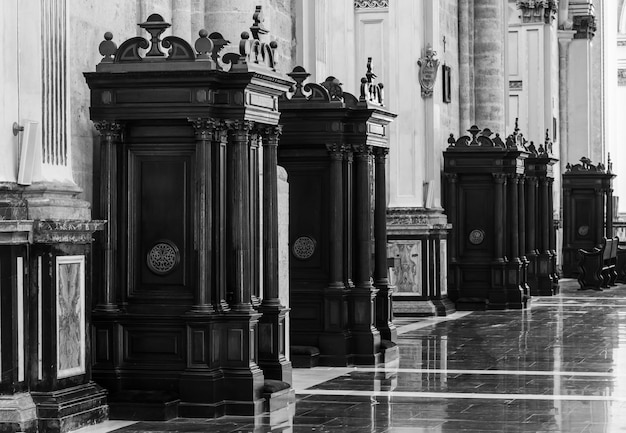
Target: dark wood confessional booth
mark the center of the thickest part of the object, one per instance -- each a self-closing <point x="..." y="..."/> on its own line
<point x="334" y="148"/>
<point x="543" y="278"/>
<point x="484" y="201"/>
<point x="182" y="314"/>
<point x="587" y="210"/>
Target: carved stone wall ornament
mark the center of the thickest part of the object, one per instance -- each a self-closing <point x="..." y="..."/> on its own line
<point x="370" y="4"/>
<point x="429" y="66"/>
<point x="538" y="10"/>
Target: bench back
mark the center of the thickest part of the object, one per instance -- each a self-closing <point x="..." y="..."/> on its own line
<point x="607" y="248"/>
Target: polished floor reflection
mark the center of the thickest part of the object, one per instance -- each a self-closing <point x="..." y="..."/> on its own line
<point x="558" y="367"/>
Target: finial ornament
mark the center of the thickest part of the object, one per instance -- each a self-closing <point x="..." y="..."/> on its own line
<point x="371" y="92"/>
<point x="479" y="138"/>
<point x="585" y="166"/>
<point x="155" y="25"/>
<point x="252" y="50"/>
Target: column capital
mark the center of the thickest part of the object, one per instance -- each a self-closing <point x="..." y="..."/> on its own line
<point x="452" y="177"/>
<point x="336" y="151"/>
<point x="537" y="11"/>
<point x="245" y="126"/>
<point x="109" y="129"/>
<point x="204" y="126"/>
<point x="362" y="150"/>
<point x="271" y="130"/>
<point x="380" y="153"/>
<point x="500" y="178"/>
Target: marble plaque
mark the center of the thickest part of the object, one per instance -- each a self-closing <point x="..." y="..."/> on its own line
<point x="406" y="274"/>
<point x="70" y="294"/>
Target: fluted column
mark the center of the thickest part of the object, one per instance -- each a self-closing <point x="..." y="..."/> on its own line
<point x="241" y="324"/>
<point x="336" y="256"/>
<point x="272" y="337"/>
<point x="239" y="263"/>
<point x="498" y="216"/>
<point x="531" y="233"/>
<point x="546" y="216"/>
<point x="513" y="218"/>
<point x="451" y="211"/>
<point x="489" y="83"/>
<point x="219" y="215"/>
<point x="600" y="197"/>
<point x="110" y="135"/>
<point x="367" y="337"/>
<point x="609" y="213"/>
<point x="384" y="311"/>
<point x="254" y="223"/>
<point x="204" y="131"/>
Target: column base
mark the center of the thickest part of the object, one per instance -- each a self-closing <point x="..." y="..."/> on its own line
<point x="444" y="306"/>
<point x="272" y="358"/>
<point x="243" y="378"/>
<point x="18" y="413"/>
<point x="71" y="408"/>
<point x="409" y="306"/>
<point x="335" y="349"/>
<point x="201" y="394"/>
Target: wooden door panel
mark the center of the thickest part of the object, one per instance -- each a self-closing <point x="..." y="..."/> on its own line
<point x="160" y="253"/>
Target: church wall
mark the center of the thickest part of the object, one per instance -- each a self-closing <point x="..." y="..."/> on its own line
<point x="89" y="20"/>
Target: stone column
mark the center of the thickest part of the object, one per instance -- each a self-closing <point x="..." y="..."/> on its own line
<point x="489" y="64"/>
<point x="109" y="156"/>
<point x="580" y="84"/>
<point x="384" y="310"/>
<point x="466" y="62"/>
<point x="181" y="20"/>
<point x="365" y="336"/>
<point x="565" y="37"/>
<point x="204" y="131"/>
<point x="272" y="322"/>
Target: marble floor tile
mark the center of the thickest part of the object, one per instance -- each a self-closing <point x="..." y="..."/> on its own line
<point x="559" y="366"/>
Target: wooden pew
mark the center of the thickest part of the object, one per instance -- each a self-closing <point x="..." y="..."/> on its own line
<point x="591" y="264"/>
<point x="609" y="274"/>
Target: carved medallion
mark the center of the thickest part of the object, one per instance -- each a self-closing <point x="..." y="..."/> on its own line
<point x="476" y="237"/>
<point x="163" y="257"/>
<point x="428" y="71"/>
<point x="583" y="230"/>
<point x="303" y="248"/>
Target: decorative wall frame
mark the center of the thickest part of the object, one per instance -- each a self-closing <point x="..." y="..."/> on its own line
<point x="70" y="323"/>
<point x="446" y="72"/>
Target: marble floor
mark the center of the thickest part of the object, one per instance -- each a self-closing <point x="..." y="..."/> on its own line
<point x="559" y="366"/>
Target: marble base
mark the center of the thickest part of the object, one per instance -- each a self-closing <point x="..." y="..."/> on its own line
<point x="71" y="408"/>
<point x="43" y="201"/>
<point x="413" y="308"/>
<point x="18" y="413"/>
